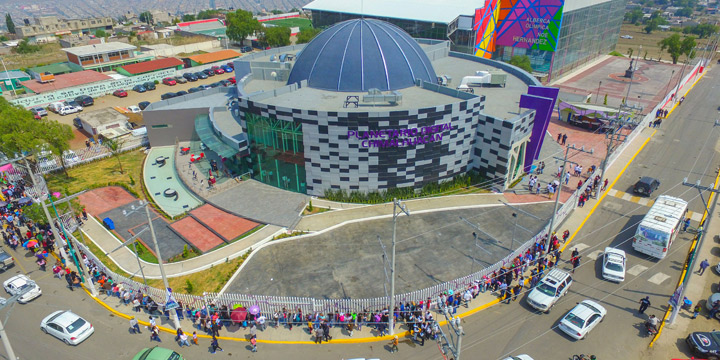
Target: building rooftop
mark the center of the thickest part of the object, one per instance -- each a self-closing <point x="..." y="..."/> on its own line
<point x="209" y="98"/>
<point x="152" y="65"/>
<point x="57" y="68"/>
<point x="439" y="11"/>
<point x="13" y="74"/>
<point x="214" y="56"/>
<point x="100" y="117"/>
<point x="65" y="81"/>
<point x="361" y="54"/>
<point x="197" y="22"/>
<point x="99" y="48"/>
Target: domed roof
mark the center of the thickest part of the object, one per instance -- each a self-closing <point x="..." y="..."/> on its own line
<point x="361" y="54"/>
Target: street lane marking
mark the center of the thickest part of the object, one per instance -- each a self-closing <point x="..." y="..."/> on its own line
<point x="637" y="270"/>
<point x="595" y="254"/>
<point x="694" y="216"/>
<point x="580" y="247"/>
<point x="658" y="278"/>
<point x="612" y="192"/>
<point x="626" y="196"/>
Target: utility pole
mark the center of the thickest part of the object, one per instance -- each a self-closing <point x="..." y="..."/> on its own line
<point x="454" y="343"/>
<point x="691" y="261"/>
<point x="73" y="247"/>
<point x="137" y="257"/>
<point x="172" y="312"/>
<point x="42" y="203"/>
<point x="559" y="189"/>
<point x="11" y="302"/>
<point x="598" y="93"/>
<point x="403" y="209"/>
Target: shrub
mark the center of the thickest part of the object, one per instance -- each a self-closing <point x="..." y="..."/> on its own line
<point x="615" y="53"/>
<point x="189" y="286"/>
<point x="310" y="207"/>
<point x="185" y="252"/>
<point x="132" y="180"/>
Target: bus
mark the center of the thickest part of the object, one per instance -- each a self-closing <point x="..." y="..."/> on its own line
<point x="658" y="229"/>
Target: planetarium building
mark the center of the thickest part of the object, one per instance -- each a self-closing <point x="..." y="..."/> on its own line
<point x="364" y="107"/>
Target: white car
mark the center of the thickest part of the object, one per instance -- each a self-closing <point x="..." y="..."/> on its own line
<point x="549" y="290"/>
<point x="582" y="318"/>
<point x="519" y="357"/>
<point x="19" y="283"/>
<point x="67" y="326"/>
<point x="70" y="157"/>
<point x="614" y="264"/>
<point x="66" y="110"/>
<point x="627" y="37"/>
<point x="134" y="109"/>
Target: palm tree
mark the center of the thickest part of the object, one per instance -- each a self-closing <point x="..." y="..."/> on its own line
<point x="115" y="147"/>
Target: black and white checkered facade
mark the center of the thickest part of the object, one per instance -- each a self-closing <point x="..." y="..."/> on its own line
<point x="335" y="160"/>
<point x="495" y="139"/>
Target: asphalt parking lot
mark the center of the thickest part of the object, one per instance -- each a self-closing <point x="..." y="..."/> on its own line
<point x="134" y="98"/>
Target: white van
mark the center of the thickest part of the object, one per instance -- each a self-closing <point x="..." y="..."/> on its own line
<point x="56" y="106"/>
<point x="549" y="290"/>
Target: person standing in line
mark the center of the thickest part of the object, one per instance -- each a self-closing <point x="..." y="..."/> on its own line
<point x="253" y="343"/>
<point x="703" y="265"/>
<point x="214" y="344"/>
<point x="644" y="304"/>
<point x="134" y="326"/>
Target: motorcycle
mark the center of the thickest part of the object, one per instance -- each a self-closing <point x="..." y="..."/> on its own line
<point x="651" y="329"/>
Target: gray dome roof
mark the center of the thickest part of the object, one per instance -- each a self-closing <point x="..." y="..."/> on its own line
<point x="361" y="54"/>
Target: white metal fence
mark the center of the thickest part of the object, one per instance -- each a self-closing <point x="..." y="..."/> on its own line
<point x="92" y="153"/>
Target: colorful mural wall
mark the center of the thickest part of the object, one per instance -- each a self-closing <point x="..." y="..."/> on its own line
<point x="528" y="24"/>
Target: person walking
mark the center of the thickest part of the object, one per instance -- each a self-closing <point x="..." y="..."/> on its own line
<point x="696" y="311"/>
<point x="134" y="326"/>
<point x="686" y="224"/>
<point x="69" y="280"/>
<point x="559" y="139"/>
<point x="703" y="265"/>
<point x="394" y="344"/>
<point x="184" y="340"/>
<point x="253" y="343"/>
<point x="155" y="334"/>
<point x="214" y="344"/>
<point x="576" y="263"/>
<point x="644" y="304"/>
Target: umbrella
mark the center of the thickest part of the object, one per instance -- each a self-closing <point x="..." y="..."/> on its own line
<point x="238" y="315"/>
<point x="25" y="200"/>
<point x="3" y="203"/>
<point x="254" y="310"/>
<point x="42" y="254"/>
<point x="30" y="243"/>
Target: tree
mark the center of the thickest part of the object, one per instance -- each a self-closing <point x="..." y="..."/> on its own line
<point x="276" y="12"/>
<point x="605" y="100"/>
<point x="686" y="12"/>
<point x="100" y="33"/>
<point x="207" y="14"/>
<point x="57" y="137"/>
<point x="522" y="61"/>
<point x="294" y="10"/>
<point x="24" y="47"/>
<point x="115" y="147"/>
<point x="146" y="17"/>
<point x="630" y="52"/>
<point x="241" y="24"/>
<point x="701" y="30"/>
<point x="306" y="35"/>
<point x="634" y="16"/>
<point x="188" y="17"/>
<point x="275" y="36"/>
<point x="9" y="23"/>
<point x="676" y="47"/>
<point x="651" y="25"/>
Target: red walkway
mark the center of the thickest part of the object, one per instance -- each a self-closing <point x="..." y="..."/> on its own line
<point x="104" y="199"/>
<point x="197" y="234"/>
<point x="227" y="225"/>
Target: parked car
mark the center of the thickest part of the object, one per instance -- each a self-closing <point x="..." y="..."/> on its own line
<point x="706" y="345"/>
<point x="120" y="93"/>
<point x="646" y="185"/>
<point x="78" y="123"/>
<point x="190" y="77"/>
<point x="245" y="49"/>
<point x="582" y="318"/>
<point x="519" y="357"/>
<point x="157" y="353"/>
<point x="134" y="109"/>
<point x="201" y="75"/>
<point x="231" y="65"/>
<point x="232" y="80"/>
<point x="614" y="264"/>
<point x="19" y="283"/>
<point x="6" y="260"/>
<point x="194" y="90"/>
<point x="209" y="72"/>
<point x="217" y="70"/>
<point x="76" y="105"/>
<point x="67" y="326"/>
<point x="70" y="158"/>
<point x="626" y="37"/>
<point x="149" y="86"/>
<point x="39" y="111"/>
<point x="56" y="106"/>
<point x="67" y="110"/>
<point x="549" y="290"/>
<point x="139" y="88"/>
<point x="214" y="85"/>
<point x="85" y="100"/>
<point x="205" y="87"/>
<point x="225" y="82"/>
<point x="227" y="69"/>
<point x="169" y="81"/>
<point x="181" y="93"/>
<point x="143" y="104"/>
<point x="168" y="95"/>
<point x="180" y="80"/>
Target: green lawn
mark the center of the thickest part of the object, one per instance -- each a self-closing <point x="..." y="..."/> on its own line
<point x="293" y="22"/>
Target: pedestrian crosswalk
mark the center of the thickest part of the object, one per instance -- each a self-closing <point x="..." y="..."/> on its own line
<point x="694" y="216"/>
<point x="636" y="270"/>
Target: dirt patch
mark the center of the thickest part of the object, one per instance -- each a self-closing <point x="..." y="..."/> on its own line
<point x="105" y="199"/>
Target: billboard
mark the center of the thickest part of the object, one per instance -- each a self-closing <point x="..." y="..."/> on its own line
<point x="528" y="24"/>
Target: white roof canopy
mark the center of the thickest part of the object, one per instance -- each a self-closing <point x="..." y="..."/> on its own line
<point x="439" y="11"/>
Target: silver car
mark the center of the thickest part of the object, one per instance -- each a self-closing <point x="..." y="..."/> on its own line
<point x="67" y="326"/>
<point x="19" y="283"/>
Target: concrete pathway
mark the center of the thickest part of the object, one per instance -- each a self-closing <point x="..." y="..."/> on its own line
<point x="125" y="258"/>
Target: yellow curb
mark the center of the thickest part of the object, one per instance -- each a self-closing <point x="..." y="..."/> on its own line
<point x="606" y="192"/>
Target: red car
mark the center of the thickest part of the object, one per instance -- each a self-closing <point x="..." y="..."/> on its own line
<point x="217" y="70"/>
<point x="169" y="81"/>
<point x="120" y="93"/>
<point x="231" y="80"/>
<point x="231" y="64"/>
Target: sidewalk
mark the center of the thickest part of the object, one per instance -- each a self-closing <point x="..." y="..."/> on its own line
<point x="125" y="258"/>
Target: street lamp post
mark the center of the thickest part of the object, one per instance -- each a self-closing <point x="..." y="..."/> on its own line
<point x="559" y="189"/>
<point x="172" y="312"/>
<point x="598" y="93"/>
<point x="137" y="257"/>
<point x="403" y="209"/>
<point x="3" y="335"/>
